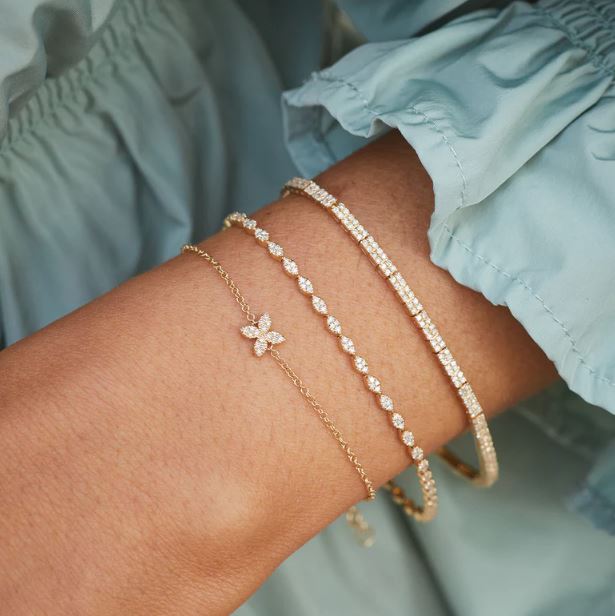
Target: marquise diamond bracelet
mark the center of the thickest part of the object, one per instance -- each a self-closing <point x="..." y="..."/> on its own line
<point x="429" y="507"/>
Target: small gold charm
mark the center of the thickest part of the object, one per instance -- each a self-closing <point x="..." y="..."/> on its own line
<point x="264" y="339"/>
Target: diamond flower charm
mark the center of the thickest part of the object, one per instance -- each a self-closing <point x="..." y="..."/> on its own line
<point x="264" y="339"/>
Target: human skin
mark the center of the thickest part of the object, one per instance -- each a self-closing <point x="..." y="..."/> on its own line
<point x="150" y="464"/>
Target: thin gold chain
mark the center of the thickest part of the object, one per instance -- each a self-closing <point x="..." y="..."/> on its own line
<point x="326" y="420"/>
<point x="355" y="519"/>
<point x="234" y="289"/>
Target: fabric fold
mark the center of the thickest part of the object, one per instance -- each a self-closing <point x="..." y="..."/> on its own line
<point x="500" y="106"/>
<point x="512" y="114"/>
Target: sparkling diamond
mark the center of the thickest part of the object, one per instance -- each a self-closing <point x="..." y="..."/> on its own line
<point x="275" y="249"/>
<point x="437" y="343"/>
<point x="423" y="465"/>
<point x="340" y="211"/>
<point x="430" y="331"/>
<point x="470" y="400"/>
<point x="299" y="183"/>
<point x="321" y="195"/>
<point x="264" y="337"/>
<point x="417" y="454"/>
<point x="408" y="438"/>
<point x="249" y="223"/>
<point x="260" y="346"/>
<point x="452" y="368"/>
<point x="305" y="285"/>
<point x="378" y="256"/>
<point x="234" y="217"/>
<point x="274" y="337"/>
<point x="359" y="233"/>
<point x="290" y="266"/>
<point x="386" y="403"/>
<point x="347" y="345"/>
<point x="329" y="201"/>
<point x="361" y="365"/>
<point x="319" y="305"/>
<point x="261" y="235"/>
<point x="373" y="384"/>
<point x="351" y="224"/>
<point x="334" y="325"/>
<point x="398" y="421"/>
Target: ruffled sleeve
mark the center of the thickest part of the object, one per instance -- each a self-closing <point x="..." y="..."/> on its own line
<point x="41" y="39"/>
<point x="512" y="113"/>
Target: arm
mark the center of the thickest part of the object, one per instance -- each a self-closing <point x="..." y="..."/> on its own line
<point x="147" y="460"/>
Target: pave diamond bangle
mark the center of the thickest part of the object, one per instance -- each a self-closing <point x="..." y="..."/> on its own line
<point x="428" y="510"/>
<point x="265" y="341"/>
<point x="488" y="472"/>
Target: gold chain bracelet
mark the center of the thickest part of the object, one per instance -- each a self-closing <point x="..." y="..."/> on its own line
<point x="265" y="341"/>
<point x="429" y="508"/>
<point x="488" y="471"/>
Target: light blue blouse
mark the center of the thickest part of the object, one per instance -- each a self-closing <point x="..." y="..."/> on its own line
<point x="129" y="127"/>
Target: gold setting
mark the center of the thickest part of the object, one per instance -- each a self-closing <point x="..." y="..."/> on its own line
<point x="265" y="339"/>
<point x="429" y="507"/>
<point x="488" y="470"/>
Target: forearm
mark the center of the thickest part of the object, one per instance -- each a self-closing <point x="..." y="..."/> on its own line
<point x="148" y="459"/>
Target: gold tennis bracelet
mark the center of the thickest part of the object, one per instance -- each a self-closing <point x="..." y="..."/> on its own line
<point x="488" y="472"/>
<point x="429" y="508"/>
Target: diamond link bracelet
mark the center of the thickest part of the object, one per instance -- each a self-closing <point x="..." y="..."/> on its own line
<point x="265" y="341"/>
<point x="488" y="472"/>
<point x="428" y="510"/>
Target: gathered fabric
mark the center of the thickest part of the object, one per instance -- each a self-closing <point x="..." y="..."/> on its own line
<point x="131" y="127"/>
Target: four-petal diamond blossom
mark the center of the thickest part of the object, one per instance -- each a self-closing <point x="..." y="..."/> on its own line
<point x="264" y="339"/>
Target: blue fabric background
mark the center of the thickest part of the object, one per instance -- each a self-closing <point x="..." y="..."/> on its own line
<point x="130" y="127"/>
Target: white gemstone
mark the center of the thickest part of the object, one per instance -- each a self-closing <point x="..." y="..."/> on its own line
<point x="260" y="346"/>
<point x="361" y="365"/>
<point x="334" y="325"/>
<point x="305" y="285"/>
<point x="264" y="322"/>
<point x="290" y="266"/>
<point x="347" y="345"/>
<point x="322" y="195"/>
<point x="408" y="438"/>
<point x="319" y="305"/>
<point x="480" y="423"/>
<point x="423" y="465"/>
<point x="398" y="421"/>
<point x="275" y="249"/>
<point x="386" y="403"/>
<point x="299" y="183"/>
<point x="378" y="256"/>
<point x="234" y="217"/>
<point x="470" y="400"/>
<point x="417" y="454"/>
<point x="373" y="384"/>
<point x="452" y="368"/>
<point x="274" y="337"/>
<point x="445" y="357"/>
<point x="437" y="343"/>
<point x="249" y="223"/>
<point x="261" y="235"/>
<point x="359" y="233"/>
<point x="250" y="331"/>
